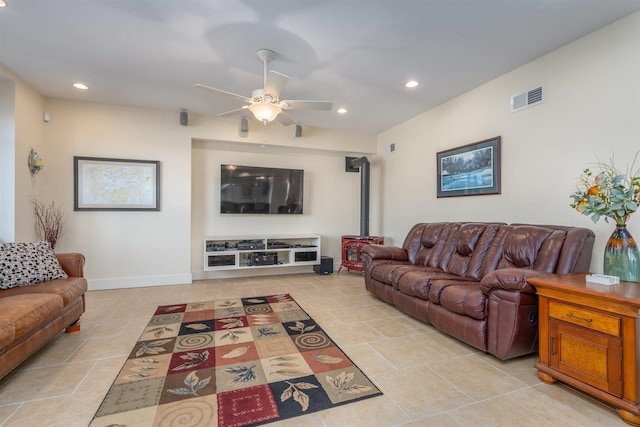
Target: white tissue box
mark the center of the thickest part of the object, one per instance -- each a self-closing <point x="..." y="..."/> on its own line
<point x="603" y="279"/>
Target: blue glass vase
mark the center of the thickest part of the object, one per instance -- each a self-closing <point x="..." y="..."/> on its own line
<point x="621" y="256"/>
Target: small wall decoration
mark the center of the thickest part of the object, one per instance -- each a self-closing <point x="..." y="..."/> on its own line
<point x="116" y="184"/>
<point x="469" y="170"/>
<point x="34" y="162"/>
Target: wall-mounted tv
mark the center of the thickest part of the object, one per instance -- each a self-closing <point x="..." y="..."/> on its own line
<point x="260" y="190"/>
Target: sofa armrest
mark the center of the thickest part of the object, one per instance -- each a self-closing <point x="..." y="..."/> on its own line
<point x="385" y="252"/>
<point x="72" y="264"/>
<point x="510" y="279"/>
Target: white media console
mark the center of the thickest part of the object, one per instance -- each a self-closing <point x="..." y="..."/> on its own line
<point x="246" y="252"/>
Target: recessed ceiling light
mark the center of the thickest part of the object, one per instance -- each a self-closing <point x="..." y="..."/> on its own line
<point x="81" y="86"/>
<point x="411" y="83"/>
<point x="342" y="110"/>
<point x="3" y="3"/>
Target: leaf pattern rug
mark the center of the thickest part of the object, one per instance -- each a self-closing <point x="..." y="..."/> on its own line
<point x="234" y="362"/>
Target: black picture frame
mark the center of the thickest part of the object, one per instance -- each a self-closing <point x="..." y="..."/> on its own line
<point x="106" y="184"/>
<point x="469" y="170"/>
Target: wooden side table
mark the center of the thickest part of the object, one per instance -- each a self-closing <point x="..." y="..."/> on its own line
<point x="589" y="339"/>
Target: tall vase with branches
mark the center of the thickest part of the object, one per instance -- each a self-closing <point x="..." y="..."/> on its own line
<point x="613" y="194"/>
<point x="49" y="221"/>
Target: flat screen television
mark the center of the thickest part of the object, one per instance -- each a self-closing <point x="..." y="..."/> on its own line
<point x="260" y="190"/>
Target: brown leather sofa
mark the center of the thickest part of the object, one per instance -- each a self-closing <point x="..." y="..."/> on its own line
<point x="31" y="315"/>
<point x="469" y="280"/>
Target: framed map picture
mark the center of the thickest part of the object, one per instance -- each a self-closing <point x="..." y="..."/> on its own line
<point x="116" y="184"/>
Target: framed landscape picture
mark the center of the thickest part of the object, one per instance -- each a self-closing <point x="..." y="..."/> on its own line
<point x="116" y="184"/>
<point x="470" y="170"/>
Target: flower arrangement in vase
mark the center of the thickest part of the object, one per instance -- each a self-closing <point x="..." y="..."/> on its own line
<point x="614" y="195"/>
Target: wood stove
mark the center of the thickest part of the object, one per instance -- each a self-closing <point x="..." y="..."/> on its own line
<point x="352" y="245"/>
<point x="351" y="251"/>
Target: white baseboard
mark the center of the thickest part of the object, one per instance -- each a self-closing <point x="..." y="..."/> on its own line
<point x="138" y="282"/>
<point x="250" y="272"/>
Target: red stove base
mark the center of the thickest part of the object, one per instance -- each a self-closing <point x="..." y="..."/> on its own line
<point x="351" y="247"/>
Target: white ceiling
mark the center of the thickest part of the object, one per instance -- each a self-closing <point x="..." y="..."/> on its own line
<point x="357" y="54"/>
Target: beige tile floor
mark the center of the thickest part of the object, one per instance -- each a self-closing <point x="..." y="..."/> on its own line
<point x="428" y="379"/>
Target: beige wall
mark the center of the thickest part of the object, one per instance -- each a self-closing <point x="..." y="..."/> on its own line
<point x="7" y="160"/>
<point x="30" y="133"/>
<point x="22" y="129"/>
<point x="331" y="199"/>
<point x="331" y="195"/>
<point x="591" y="111"/>
<point x="122" y="248"/>
<point x="151" y="248"/>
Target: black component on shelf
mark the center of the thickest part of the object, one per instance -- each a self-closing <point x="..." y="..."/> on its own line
<point x="244" y="245"/>
<point x="215" y="247"/>
<point x="279" y="245"/>
<point x="306" y="256"/>
<point x="221" y="260"/>
<point x="263" y="258"/>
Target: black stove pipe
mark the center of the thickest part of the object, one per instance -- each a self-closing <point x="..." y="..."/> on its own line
<point x="365" y="183"/>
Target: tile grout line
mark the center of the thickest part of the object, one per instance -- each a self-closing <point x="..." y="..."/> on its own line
<point x="95" y="363"/>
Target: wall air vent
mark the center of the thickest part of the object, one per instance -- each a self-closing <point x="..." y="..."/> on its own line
<point x="391" y="147"/>
<point x="527" y="99"/>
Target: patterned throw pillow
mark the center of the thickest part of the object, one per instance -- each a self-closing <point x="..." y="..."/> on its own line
<point x="28" y="263"/>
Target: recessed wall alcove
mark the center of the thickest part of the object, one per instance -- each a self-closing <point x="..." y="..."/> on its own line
<point x="331" y="198"/>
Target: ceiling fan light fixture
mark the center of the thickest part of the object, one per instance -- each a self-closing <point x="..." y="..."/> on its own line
<point x="265" y="103"/>
<point x="265" y="112"/>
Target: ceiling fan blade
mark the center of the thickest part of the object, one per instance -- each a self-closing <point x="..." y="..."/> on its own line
<point x="223" y="92"/>
<point x="274" y="84"/>
<point x="307" y="105"/>
<point x="233" y="112"/>
<point x="286" y="119"/>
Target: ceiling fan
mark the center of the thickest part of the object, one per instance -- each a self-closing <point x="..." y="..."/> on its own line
<point x="265" y="103"/>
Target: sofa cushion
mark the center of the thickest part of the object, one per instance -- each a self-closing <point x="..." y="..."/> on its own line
<point x="435" y="291"/>
<point x="416" y="281"/>
<point x="413" y="283"/>
<point x="433" y="241"/>
<point x="468" y="300"/>
<point x="29" y="312"/>
<point x="68" y="289"/>
<point x="28" y="263"/>
<point x="471" y="244"/>
<point x="522" y="245"/>
<point x="384" y="271"/>
<point x="7" y="334"/>
<point x="413" y="242"/>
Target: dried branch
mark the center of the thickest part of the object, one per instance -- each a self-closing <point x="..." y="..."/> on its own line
<point x="49" y="222"/>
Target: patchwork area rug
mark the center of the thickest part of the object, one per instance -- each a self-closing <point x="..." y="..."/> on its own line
<point x="235" y="362"/>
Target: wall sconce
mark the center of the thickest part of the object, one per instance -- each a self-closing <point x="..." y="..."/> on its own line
<point x="35" y="162"/>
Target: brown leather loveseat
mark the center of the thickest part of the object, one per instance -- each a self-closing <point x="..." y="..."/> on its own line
<point x="32" y="315"/>
<point x="469" y="280"/>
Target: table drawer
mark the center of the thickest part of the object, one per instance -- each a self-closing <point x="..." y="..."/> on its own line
<point x="584" y="317"/>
